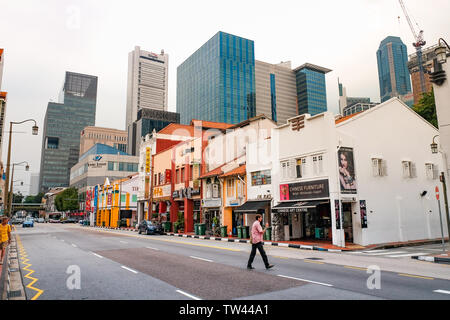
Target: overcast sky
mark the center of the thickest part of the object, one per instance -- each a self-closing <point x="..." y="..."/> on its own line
<point x="44" y="38"/>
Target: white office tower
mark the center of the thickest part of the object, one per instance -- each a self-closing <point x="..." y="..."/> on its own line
<point x="1" y="66"/>
<point x="147" y="82"/>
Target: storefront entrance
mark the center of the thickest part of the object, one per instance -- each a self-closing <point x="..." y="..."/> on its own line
<point x="348" y="221"/>
<point x="316" y="223"/>
<point x="210" y="214"/>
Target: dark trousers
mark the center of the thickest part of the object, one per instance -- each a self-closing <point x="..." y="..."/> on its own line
<point x="260" y="247"/>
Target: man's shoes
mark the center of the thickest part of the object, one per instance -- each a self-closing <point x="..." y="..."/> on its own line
<point x="250" y="267"/>
<point x="269" y="266"/>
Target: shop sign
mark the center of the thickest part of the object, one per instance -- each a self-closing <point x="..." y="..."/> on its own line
<point x="304" y="190"/>
<point x="96" y="165"/>
<point x="211" y="203"/>
<point x="159" y="192"/>
<point x="147" y="160"/>
<point x="95" y="197"/>
<point x="168" y="175"/>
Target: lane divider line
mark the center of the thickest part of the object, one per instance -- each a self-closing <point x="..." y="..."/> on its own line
<point x="131" y="270"/>
<point x="97" y="255"/>
<point x="304" y="280"/>
<point x="207" y="260"/>
<point x="312" y="261"/>
<point x="25" y="260"/>
<point x="356" y="268"/>
<point x="74" y="245"/>
<point x="442" y="291"/>
<point x="414" y="276"/>
<point x="188" y="295"/>
<point x="152" y="248"/>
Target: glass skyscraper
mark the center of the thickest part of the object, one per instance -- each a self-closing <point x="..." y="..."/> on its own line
<point x="217" y="82"/>
<point x="63" y="124"/>
<point x="311" y="89"/>
<point x="393" y="74"/>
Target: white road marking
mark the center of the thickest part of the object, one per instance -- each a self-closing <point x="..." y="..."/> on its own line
<point x="201" y="259"/>
<point x="188" y="295"/>
<point x="406" y="255"/>
<point x="375" y="251"/>
<point x="74" y="245"/>
<point x="129" y="269"/>
<point x="123" y="241"/>
<point x="442" y="291"/>
<point x="386" y="253"/>
<point x="320" y="283"/>
<point x="97" y="255"/>
<point x="152" y="248"/>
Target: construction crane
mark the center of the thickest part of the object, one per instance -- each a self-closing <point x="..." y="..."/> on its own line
<point x="418" y="44"/>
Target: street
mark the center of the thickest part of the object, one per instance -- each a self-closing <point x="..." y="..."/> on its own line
<point x="72" y="262"/>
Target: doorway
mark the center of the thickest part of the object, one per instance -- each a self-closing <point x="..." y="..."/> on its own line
<point x="348" y="221"/>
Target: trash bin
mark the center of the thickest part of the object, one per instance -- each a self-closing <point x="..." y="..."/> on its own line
<point x="167" y="226"/>
<point x="196" y="229"/>
<point x="239" y="232"/>
<point x="246" y="232"/>
<point x="119" y="223"/>
<point x="201" y="229"/>
<point x="223" y="231"/>
<point x="268" y="234"/>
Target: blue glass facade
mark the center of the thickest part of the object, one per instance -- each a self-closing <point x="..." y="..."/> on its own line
<point x="311" y="91"/>
<point x="273" y="97"/>
<point x="393" y="50"/>
<point x="217" y="82"/>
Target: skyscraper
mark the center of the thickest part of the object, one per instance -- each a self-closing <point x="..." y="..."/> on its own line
<point x="393" y="72"/>
<point x="148" y="75"/>
<point x="217" y="82"/>
<point x="311" y="89"/>
<point x="276" y="91"/>
<point x="63" y="124"/>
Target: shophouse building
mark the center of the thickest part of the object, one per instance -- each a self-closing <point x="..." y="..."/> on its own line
<point x="225" y="179"/>
<point x="348" y="181"/>
<point x="117" y="202"/>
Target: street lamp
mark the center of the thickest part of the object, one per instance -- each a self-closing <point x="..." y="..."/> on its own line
<point x="441" y="51"/>
<point x="439" y="76"/>
<point x="11" y="195"/>
<point x="434" y="146"/>
<point x="34" y="131"/>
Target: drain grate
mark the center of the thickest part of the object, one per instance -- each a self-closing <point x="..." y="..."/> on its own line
<point x="14" y="294"/>
<point x="313" y="259"/>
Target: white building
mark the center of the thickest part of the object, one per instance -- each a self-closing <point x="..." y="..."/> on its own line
<point x="34" y="184"/>
<point x="385" y="179"/>
<point x="147" y="82"/>
<point x="276" y="90"/>
<point x="1" y="65"/>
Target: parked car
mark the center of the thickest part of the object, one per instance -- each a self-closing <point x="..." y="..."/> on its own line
<point x="41" y="220"/>
<point x="149" y="227"/>
<point x="70" y="220"/>
<point x="54" y="220"/>
<point x="28" y="223"/>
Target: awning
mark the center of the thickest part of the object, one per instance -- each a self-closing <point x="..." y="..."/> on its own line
<point x="252" y="206"/>
<point x="298" y="206"/>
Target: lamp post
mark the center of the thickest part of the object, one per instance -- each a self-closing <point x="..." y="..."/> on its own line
<point x="27" y="168"/>
<point x="34" y="131"/>
<point x="435" y="150"/>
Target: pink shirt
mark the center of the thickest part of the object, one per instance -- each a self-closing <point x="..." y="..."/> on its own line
<point x="257" y="232"/>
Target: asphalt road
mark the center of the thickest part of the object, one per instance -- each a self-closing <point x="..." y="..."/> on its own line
<point x="71" y="262"/>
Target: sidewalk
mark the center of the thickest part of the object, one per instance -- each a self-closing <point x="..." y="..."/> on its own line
<point x="436" y="258"/>
<point x="319" y="245"/>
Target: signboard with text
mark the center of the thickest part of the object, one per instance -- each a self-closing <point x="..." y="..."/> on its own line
<point x="304" y="190"/>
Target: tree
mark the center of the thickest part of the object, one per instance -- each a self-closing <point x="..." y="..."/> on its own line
<point x="67" y="200"/>
<point x="426" y="108"/>
<point x="34" y="199"/>
<point x="17" y="197"/>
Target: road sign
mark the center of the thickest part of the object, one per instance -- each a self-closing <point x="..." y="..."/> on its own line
<point x="437" y="193"/>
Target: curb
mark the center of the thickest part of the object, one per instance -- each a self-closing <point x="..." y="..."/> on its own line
<point x="276" y="244"/>
<point x="14" y="286"/>
<point x="432" y="259"/>
<point x="407" y="244"/>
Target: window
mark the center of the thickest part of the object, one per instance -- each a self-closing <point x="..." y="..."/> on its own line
<point x="301" y="167"/>
<point x="52" y="143"/>
<point x="178" y="175"/>
<point x="318" y="165"/>
<point x="261" y="178"/>
<point x="285" y="170"/>
<point x="432" y="171"/>
<point x="183" y="174"/>
<point x="379" y="167"/>
<point x="159" y="179"/>
<point x="408" y="169"/>
<point x="230" y="188"/>
<point x="110" y="166"/>
<point x="191" y="170"/>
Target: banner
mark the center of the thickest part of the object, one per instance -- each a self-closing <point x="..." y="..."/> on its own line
<point x="338" y="216"/>
<point x="95" y="197"/>
<point x="304" y="190"/>
<point x="362" y="209"/>
<point x="347" y="176"/>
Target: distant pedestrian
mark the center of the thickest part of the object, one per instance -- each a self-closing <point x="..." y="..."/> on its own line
<point x="257" y="243"/>
<point x="5" y="236"/>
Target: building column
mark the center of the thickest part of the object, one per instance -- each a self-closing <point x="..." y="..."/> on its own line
<point x="188" y="215"/>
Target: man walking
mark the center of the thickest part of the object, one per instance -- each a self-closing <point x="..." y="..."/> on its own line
<point x="5" y="236"/>
<point x="257" y="243"/>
